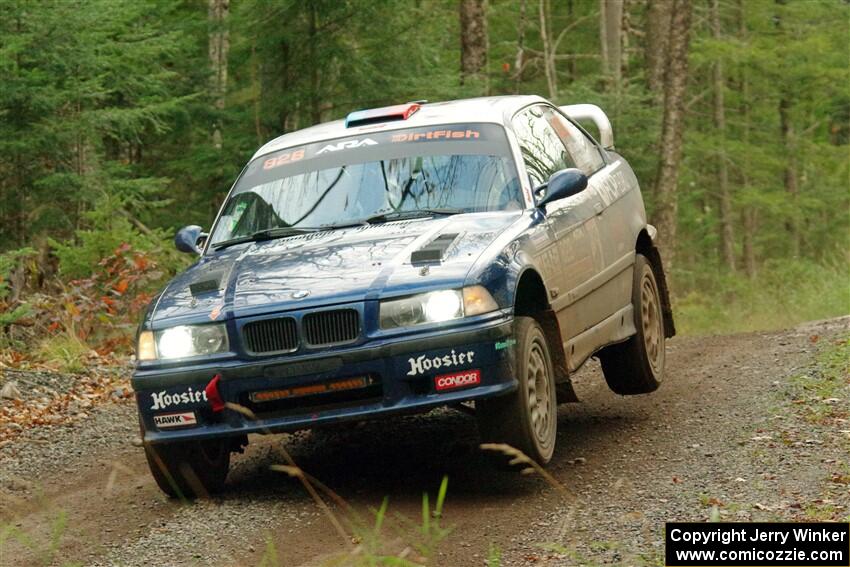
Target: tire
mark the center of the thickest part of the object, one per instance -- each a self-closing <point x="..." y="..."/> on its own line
<point x="189" y="469"/>
<point x="526" y="419"/>
<point x="637" y="365"/>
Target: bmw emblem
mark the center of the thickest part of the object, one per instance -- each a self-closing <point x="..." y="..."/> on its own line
<point x="300" y="294"/>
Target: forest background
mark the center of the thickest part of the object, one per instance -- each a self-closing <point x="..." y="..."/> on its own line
<point x="121" y="121"/>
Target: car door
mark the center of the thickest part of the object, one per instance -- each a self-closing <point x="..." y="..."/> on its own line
<point x="609" y="182"/>
<point x="571" y="222"/>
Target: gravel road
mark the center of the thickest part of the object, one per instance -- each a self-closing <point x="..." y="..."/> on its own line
<point x="722" y="437"/>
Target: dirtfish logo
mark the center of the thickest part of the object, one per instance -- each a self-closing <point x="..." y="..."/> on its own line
<point x="349" y="145"/>
<point x="425" y="363"/>
<point x="163" y="399"/>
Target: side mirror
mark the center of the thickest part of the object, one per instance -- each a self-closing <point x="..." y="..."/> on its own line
<point x="562" y="184"/>
<point x="189" y="239"/>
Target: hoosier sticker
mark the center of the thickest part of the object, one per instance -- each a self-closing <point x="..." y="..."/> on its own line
<point x="163" y="399"/>
<point x="166" y="420"/>
<point x="424" y="363"/>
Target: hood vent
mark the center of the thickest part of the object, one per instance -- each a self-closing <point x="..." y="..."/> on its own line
<point x="202" y="287"/>
<point x="434" y="251"/>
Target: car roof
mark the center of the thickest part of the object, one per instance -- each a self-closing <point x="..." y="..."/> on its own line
<point x="498" y="109"/>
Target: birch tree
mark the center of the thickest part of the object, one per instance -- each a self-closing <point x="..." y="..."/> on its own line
<point x="670" y="146"/>
<point x="727" y="234"/>
<point x="219" y="46"/>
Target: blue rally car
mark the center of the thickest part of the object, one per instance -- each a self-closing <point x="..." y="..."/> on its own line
<point x="405" y="258"/>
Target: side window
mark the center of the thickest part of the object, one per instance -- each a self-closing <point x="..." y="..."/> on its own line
<point x="584" y="152"/>
<point x="542" y="150"/>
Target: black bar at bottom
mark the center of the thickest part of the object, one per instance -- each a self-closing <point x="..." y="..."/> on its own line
<point x="765" y="544"/>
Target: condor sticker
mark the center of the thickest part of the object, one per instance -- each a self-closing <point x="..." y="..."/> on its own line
<point x="168" y="420"/>
<point x="457" y="380"/>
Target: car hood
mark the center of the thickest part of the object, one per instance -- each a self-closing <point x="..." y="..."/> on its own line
<point x="329" y="267"/>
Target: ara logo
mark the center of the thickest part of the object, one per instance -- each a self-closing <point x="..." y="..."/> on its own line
<point x="424" y="363"/>
<point x="163" y="399"/>
<point x="348" y="145"/>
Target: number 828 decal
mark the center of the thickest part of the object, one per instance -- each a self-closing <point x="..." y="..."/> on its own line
<point x="283" y="159"/>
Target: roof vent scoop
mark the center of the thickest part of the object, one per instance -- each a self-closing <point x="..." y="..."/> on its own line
<point x="385" y="114"/>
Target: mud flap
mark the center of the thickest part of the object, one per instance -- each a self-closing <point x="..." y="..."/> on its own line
<point x="666" y="308"/>
<point x="565" y="393"/>
<point x="563" y="387"/>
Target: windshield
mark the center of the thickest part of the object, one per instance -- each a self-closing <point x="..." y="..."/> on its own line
<point x="456" y="168"/>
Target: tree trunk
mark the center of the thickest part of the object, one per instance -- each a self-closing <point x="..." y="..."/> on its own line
<point x="658" y="18"/>
<point x="473" y="42"/>
<point x="572" y="65"/>
<point x="789" y="138"/>
<point x="219" y="45"/>
<point x="727" y="235"/>
<point x="750" y="222"/>
<point x="750" y="213"/>
<point x="673" y="124"/>
<point x="749" y="216"/>
<point x="610" y="35"/>
<point x="548" y="52"/>
<point x="257" y="88"/>
<point x="285" y="112"/>
<point x="520" y="51"/>
<point x="786" y="127"/>
<point x="625" y="30"/>
<point x="315" y="100"/>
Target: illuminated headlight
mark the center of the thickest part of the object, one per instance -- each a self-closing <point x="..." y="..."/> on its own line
<point x="436" y="307"/>
<point x="182" y="342"/>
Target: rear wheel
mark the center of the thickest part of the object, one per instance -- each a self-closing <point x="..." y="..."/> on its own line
<point x="637" y="365"/>
<point x="526" y="419"/>
<point x="189" y="469"/>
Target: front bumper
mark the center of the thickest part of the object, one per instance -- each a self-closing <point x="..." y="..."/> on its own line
<point x="402" y="376"/>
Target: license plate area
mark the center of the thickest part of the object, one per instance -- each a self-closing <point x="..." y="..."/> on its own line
<point x="316" y="396"/>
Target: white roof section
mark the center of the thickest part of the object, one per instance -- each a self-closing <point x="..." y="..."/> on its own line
<point x="494" y="109"/>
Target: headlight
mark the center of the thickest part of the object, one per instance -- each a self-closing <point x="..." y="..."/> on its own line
<point x="182" y="342"/>
<point x="436" y="307"/>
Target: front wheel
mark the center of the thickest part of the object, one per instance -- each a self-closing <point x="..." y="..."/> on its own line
<point x="189" y="469"/>
<point x="526" y="419"/>
<point x="637" y="365"/>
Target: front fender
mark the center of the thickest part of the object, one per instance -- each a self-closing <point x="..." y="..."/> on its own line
<point x="500" y="267"/>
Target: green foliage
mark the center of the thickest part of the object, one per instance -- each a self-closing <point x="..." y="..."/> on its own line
<point x="65" y="352"/>
<point x="85" y="86"/>
<point x="46" y="551"/>
<point x="824" y="387"/>
<point x="783" y="294"/>
<point x="494" y="556"/>
<point x="15" y="315"/>
<point x="13" y="260"/>
<point x="81" y="258"/>
<point x="106" y="121"/>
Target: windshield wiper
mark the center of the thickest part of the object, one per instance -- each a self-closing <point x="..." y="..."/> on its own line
<point x="351" y="224"/>
<point x="266" y="234"/>
<point x="414" y="214"/>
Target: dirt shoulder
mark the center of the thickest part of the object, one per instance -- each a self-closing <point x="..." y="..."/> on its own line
<point x="731" y="433"/>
